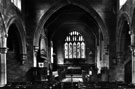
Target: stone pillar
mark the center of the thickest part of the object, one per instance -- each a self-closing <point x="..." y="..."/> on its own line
<point x="132" y="47"/>
<point x="3" y="51"/>
<point x="3" y="69"/>
<point x="36" y="48"/>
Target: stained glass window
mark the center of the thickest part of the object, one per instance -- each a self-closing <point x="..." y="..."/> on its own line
<point x="82" y="50"/>
<point x="74" y="46"/>
<point x="121" y="3"/>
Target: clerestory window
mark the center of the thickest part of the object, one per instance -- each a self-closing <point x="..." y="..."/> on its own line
<point x="121" y="3"/>
<point x="17" y="3"/>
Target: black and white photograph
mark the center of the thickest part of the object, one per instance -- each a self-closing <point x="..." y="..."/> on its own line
<point x="67" y="44"/>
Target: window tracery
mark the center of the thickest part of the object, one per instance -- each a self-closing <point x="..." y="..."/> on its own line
<point x="74" y="46"/>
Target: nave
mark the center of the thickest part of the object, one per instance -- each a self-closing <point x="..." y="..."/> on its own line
<point x="71" y="78"/>
<point x="67" y="44"/>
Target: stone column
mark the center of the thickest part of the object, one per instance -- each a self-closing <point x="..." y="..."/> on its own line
<point x="36" y="48"/>
<point x="132" y="47"/>
<point x="3" y="69"/>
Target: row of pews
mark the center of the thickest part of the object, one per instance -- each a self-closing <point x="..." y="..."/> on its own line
<point x="106" y="85"/>
<point x="27" y="85"/>
<point x="69" y="85"/>
<point x="94" y="85"/>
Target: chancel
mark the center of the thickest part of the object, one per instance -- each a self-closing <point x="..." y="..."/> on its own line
<point x="67" y="44"/>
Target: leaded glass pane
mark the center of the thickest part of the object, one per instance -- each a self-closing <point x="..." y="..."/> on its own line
<point x="73" y="38"/>
<point x="70" y="50"/>
<point x="74" y="50"/>
<point x="66" y="50"/>
<point x="82" y="50"/>
<point x="78" y="50"/>
<point x="79" y="38"/>
<point x="77" y="33"/>
<point x="69" y="38"/>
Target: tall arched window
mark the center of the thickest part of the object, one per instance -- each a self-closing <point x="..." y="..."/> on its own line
<point x="74" y="46"/>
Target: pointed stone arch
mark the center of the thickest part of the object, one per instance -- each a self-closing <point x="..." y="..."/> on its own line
<point x="2" y="30"/>
<point x="122" y="18"/>
<point x="16" y="36"/>
<point x="57" y="6"/>
<point x="22" y="33"/>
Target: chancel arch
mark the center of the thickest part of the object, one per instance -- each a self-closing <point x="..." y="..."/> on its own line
<point x="57" y="6"/>
<point x="90" y="25"/>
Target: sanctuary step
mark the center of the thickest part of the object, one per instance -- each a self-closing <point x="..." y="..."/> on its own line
<point x="72" y="80"/>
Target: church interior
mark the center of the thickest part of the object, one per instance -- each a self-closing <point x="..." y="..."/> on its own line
<point x="67" y="44"/>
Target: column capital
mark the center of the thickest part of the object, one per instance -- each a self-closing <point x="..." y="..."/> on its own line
<point x="3" y="50"/>
<point x="36" y="48"/>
